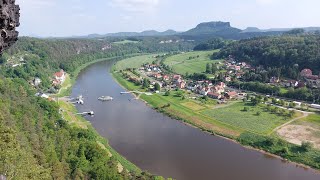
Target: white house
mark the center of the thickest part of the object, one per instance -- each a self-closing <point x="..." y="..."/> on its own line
<point x="37" y="81"/>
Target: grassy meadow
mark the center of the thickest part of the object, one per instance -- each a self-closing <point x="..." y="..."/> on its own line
<point x="134" y="62"/>
<point x="190" y="62"/>
<point x="125" y="42"/>
<point x="250" y="121"/>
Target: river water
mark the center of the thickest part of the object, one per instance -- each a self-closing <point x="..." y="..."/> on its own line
<point x="163" y="146"/>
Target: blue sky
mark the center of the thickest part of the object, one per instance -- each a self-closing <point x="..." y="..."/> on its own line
<point x="82" y="17"/>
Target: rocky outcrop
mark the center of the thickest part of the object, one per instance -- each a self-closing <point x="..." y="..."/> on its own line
<point x="9" y="20"/>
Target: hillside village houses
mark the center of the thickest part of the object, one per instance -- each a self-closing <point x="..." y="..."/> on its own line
<point x="59" y="78"/>
<point x="204" y="88"/>
<point x="312" y="81"/>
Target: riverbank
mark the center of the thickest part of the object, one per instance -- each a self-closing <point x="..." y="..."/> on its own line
<point x="68" y="112"/>
<point x="270" y="145"/>
<point x="71" y="78"/>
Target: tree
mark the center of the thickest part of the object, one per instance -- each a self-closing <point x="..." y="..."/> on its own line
<point x="157" y="87"/>
<point x="245" y="109"/>
<point x="208" y="69"/>
<point x="306" y="146"/>
<point x="146" y="83"/>
<point x="167" y="93"/>
<point x="258" y="113"/>
<point x="214" y="68"/>
<point x="291" y="114"/>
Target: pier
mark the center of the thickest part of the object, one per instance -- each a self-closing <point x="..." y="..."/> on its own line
<point x="91" y="113"/>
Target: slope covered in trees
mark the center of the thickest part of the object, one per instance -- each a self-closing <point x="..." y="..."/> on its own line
<point x="36" y="143"/>
<point x="280" y="51"/>
<point x="43" y="57"/>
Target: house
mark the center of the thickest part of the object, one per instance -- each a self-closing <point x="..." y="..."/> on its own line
<point x="181" y="84"/>
<point x="204" y="91"/>
<point x="313" y="81"/>
<point x="158" y="76"/>
<point x="42" y="95"/>
<point x="274" y="80"/>
<point x="231" y="95"/>
<point x="56" y="82"/>
<point x="60" y="76"/>
<point x="214" y="95"/>
<point x="166" y="78"/>
<point x="292" y="83"/>
<point x="306" y="72"/>
<point x="37" y="81"/>
<point x="227" y="79"/>
<point x="235" y="67"/>
<point x="177" y="77"/>
<point x="301" y="84"/>
<point x="239" y="75"/>
<point x="218" y="89"/>
<point x="221" y="84"/>
<point x="243" y="64"/>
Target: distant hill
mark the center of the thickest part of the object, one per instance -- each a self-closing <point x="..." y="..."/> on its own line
<point x="218" y="29"/>
<point x="206" y="30"/>
<point x="255" y="29"/>
<point x="132" y="34"/>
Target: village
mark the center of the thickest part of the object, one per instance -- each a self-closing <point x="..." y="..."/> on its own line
<point x="216" y="87"/>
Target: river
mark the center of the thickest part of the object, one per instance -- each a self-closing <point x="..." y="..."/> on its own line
<point x="163" y="146"/>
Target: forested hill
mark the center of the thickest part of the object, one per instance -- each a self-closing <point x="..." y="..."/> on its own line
<point x="43" y="57"/>
<point x="36" y="143"/>
<point x="278" y="51"/>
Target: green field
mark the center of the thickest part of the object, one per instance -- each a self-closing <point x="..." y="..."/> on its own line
<point x="134" y="62"/>
<point x="181" y="63"/>
<point x="313" y="118"/>
<point x="234" y="115"/>
<point x="125" y="42"/>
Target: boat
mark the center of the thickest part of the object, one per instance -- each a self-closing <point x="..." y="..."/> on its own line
<point x="105" y="98"/>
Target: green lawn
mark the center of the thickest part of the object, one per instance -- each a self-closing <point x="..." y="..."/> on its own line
<point x="125" y="42"/>
<point x="233" y="115"/>
<point x="182" y="64"/>
<point x="313" y="118"/>
<point x="134" y="62"/>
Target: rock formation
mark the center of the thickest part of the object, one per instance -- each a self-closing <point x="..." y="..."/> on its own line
<point x="9" y="20"/>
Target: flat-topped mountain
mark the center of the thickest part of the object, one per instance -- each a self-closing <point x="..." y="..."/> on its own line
<point x="215" y="27"/>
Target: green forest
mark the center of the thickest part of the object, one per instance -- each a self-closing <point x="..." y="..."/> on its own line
<point x="286" y="51"/>
<point x="36" y="143"/>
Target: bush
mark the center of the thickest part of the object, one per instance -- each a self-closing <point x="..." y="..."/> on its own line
<point x="306" y="146"/>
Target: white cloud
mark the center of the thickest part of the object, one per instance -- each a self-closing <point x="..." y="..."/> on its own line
<point x="135" y="5"/>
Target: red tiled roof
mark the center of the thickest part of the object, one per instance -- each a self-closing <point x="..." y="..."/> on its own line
<point x="214" y="94"/>
<point x="313" y="77"/>
<point x="59" y="74"/>
<point x="232" y="93"/>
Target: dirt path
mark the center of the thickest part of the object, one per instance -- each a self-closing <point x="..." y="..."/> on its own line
<point x="289" y="122"/>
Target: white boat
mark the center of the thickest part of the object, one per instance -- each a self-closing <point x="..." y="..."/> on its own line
<point x="105" y="98"/>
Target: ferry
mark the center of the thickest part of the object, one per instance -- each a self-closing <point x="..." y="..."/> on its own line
<point x="105" y="98"/>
